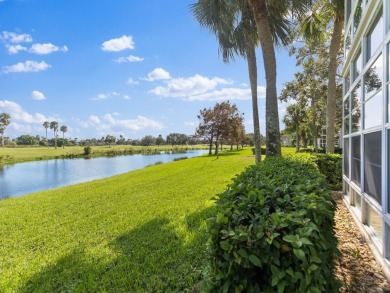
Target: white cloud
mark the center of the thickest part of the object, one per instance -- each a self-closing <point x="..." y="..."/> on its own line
<point x="14" y="49"/>
<point x="28" y="66"/>
<point x="130" y="58"/>
<point x="126" y="97"/>
<point x="190" y="123"/>
<point x="110" y="123"/>
<point x="227" y="94"/>
<point x="18" y="115"/>
<point x="43" y="49"/>
<point x="36" y="95"/>
<point x="158" y="74"/>
<point x="119" y="44"/>
<point x="105" y="96"/>
<point x="186" y="87"/>
<point x="16" y="38"/>
<point x="94" y="119"/>
<point x="132" y="81"/>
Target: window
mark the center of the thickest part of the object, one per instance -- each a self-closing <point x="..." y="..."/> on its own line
<point x="348" y="10"/>
<point x="375" y="36"/>
<point x="357" y="66"/>
<point x="357" y="199"/>
<point x="356" y="109"/>
<point x="373" y="111"/>
<point x="357" y="16"/>
<point x="347" y="83"/>
<point x="373" y="165"/>
<point x="373" y="78"/>
<point x="346" y="157"/>
<point x="347" y="41"/>
<point x="355" y="160"/>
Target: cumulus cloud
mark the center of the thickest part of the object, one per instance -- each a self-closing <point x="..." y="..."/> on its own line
<point x="105" y="96"/>
<point x="16" y="38"/>
<point x="44" y="49"/>
<point x="158" y="74"/>
<point x="227" y="94"/>
<point x="129" y="58"/>
<point x="18" y="115"/>
<point x="111" y="123"/>
<point x="14" y="49"/>
<point x="126" y="97"/>
<point x="36" y="95"/>
<point x="186" y="87"/>
<point x="119" y="44"/>
<point x="132" y="81"/>
<point x="27" y="66"/>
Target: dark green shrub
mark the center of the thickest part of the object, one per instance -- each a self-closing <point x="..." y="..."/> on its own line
<point x="87" y="150"/>
<point x="262" y="151"/>
<point x="273" y="231"/>
<point x="180" y="158"/>
<point x="330" y="165"/>
<point x="338" y="151"/>
<point x="305" y="150"/>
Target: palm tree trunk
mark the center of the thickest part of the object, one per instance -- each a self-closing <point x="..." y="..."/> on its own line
<point x="252" y="68"/>
<point x="47" y="140"/>
<point x="273" y="147"/>
<point x="63" y="140"/>
<point x="331" y="95"/>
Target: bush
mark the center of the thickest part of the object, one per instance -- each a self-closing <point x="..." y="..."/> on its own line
<point x="262" y="151"/>
<point x="274" y="231"/>
<point x="87" y="150"/>
<point x="305" y="150"/>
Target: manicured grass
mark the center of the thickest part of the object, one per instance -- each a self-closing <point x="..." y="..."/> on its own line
<point x="22" y="154"/>
<point x="142" y="231"/>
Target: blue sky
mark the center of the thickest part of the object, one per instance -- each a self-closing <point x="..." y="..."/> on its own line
<point x="118" y="67"/>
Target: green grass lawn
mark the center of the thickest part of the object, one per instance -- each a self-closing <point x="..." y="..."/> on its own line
<point x="142" y="231"/>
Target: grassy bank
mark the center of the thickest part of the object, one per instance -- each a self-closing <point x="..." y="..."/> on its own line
<point x="23" y="154"/>
<point x="142" y="231"/>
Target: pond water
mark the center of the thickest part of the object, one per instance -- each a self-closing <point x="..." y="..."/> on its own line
<point x="24" y="178"/>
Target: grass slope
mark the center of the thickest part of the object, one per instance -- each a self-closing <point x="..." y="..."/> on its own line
<point x="142" y="231"/>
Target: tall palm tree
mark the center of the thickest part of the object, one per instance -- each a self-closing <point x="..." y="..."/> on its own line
<point x="64" y="129"/>
<point x="46" y="124"/>
<point x="5" y="120"/>
<point x="313" y="27"/>
<point x="54" y="126"/>
<point x="273" y="28"/>
<point x="233" y="24"/>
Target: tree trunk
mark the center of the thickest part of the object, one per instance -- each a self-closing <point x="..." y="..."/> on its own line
<point x="47" y="142"/>
<point x="55" y="139"/>
<point x="252" y="68"/>
<point x="297" y="140"/>
<point x="63" y="140"/>
<point x="2" y="140"/>
<point x="273" y="147"/>
<point x="211" y="145"/>
<point x="332" y="70"/>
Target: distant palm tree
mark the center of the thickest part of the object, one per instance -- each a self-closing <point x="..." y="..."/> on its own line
<point x="46" y="124"/>
<point x="64" y="129"/>
<point x="54" y="126"/>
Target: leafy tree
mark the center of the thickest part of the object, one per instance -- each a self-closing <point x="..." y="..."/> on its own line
<point x="160" y="140"/>
<point x="177" y="139"/>
<point x="109" y="139"/>
<point x="5" y="120"/>
<point x="314" y="26"/>
<point x="64" y="129"/>
<point x="46" y="124"/>
<point x="293" y="119"/>
<point x="233" y="24"/>
<point x="216" y="123"/>
<point x="148" y="140"/>
<point x="27" y="140"/>
<point x="54" y="126"/>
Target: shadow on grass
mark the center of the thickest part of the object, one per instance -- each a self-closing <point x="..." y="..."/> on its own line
<point x="151" y="258"/>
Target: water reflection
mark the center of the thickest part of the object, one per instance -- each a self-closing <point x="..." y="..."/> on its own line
<point x="23" y="178"/>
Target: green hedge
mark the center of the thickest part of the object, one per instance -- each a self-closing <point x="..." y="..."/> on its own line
<point x="330" y="165"/>
<point x="273" y="231"/>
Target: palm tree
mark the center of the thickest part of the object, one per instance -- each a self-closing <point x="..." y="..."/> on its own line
<point x="54" y="126"/>
<point x="46" y="124"/>
<point x="273" y="28"/>
<point x="234" y="37"/>
<point x="5" y="120"/>
<point x="313" y="27"/>
<point x="64" y="129"/>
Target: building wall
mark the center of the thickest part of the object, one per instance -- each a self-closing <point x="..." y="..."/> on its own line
<point x="366" y="120"/>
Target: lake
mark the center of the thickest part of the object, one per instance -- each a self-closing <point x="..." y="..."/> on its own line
<point x="24" y="178"/>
